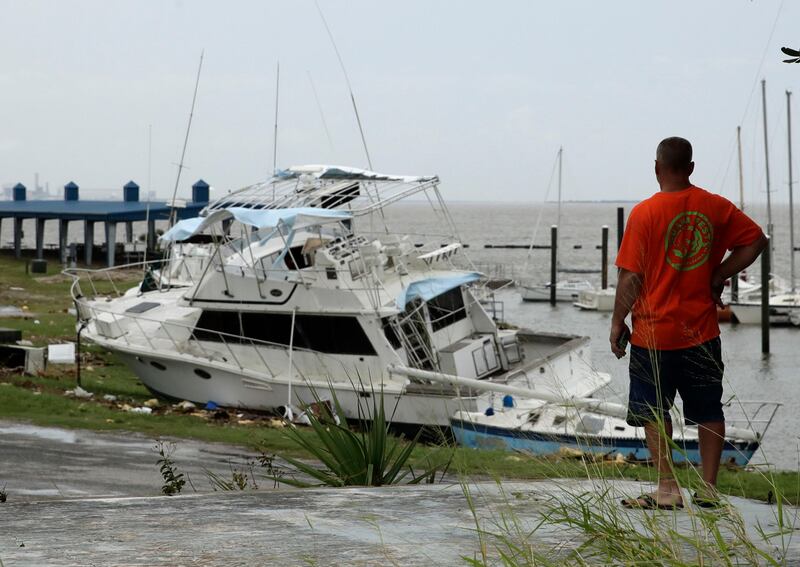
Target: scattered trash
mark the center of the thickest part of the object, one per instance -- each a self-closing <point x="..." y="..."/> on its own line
<point x="37" y="322"/>
<point x="110" y="398"/>
<point x="78" y="392"/>
<point x="186" y="407"/>
<point x="151" y="403"/>
<point x="142" y="410"/>
<point x="11" y="311"/>
<point x="221" y="415"/>
<point x="12" y="288"/>
<point x="570" y="453"/>
<point x="211" y="406"/>
<point x="126" y="407"/>
<point x="25" y="308"/>
<point x="24" y="342"/>
<point x="89" y="369"/>
<point x="61" y="354"/>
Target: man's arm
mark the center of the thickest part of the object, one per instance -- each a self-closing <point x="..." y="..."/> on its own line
<point x="739" y="259"/>
<point x="629" y="285"/>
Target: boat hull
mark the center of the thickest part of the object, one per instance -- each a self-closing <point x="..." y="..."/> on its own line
<point x="480" y="436"/>
<point x="750" y="313"/>
<point x="542" y="293"/>
<point x="179" y="380"/>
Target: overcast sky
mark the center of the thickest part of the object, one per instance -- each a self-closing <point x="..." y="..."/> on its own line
<point x="480" y="93"/>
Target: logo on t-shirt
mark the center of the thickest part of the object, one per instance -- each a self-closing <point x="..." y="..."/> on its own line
<point x="688" y="240"/>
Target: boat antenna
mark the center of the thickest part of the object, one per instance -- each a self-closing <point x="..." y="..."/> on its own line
<point x="321" y="114"/>
<point x="347" y="80"/>
<point x="275" y="134"/>
<point x="173" y="214"/>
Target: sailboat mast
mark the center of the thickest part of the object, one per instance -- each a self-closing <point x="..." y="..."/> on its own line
<point x="791" y="182"/>
<point x="741" y="175"/>
<point x="766" y="162"/>
<point x="560" y="157"/>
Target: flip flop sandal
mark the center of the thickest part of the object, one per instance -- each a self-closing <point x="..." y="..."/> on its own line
<point x="647" y="502"/>
<point x="705" y="502"/>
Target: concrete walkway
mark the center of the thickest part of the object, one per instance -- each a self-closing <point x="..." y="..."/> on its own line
<point x="79" y="498"/>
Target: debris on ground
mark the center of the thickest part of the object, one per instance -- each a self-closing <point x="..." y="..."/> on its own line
<point x="110" y="398"/>
<point x="78" y="392"/>
<point x="152" y="403"/>
<point x="141" y="410"/>
<point x="186" y="407"/>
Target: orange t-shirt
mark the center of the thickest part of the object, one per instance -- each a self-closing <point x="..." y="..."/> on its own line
<point x="675" y="241"/>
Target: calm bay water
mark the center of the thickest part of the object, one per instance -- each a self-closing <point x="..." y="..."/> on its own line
<point x="748" y="374"/>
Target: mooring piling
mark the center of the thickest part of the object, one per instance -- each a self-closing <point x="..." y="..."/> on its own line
<point x="765" y="269"/>
<point x="604" y="259"/>
<point x="553" y="262"/>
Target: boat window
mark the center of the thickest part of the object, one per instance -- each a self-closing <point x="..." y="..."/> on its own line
<point x="391" y="333"/>
<point x="295" y="259"/>
<point x="333" y="334"/>
<point x="202" y="373"/>
<point x="142" y="307"/>
<point x="446" y="309"/>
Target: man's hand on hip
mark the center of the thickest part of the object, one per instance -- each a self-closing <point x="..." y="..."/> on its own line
<point x="717" y="287"/>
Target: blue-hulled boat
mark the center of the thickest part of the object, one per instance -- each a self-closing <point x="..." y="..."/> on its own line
<point x="542" y="428"/>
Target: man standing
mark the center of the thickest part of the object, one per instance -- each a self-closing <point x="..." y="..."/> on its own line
<point x="671" y="275"/>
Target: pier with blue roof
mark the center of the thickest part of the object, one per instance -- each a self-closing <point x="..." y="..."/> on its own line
<point x="71" y="209"/>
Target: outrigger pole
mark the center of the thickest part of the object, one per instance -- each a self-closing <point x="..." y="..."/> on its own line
<point x="349" y="86"/>
<point x="172" y="214"/>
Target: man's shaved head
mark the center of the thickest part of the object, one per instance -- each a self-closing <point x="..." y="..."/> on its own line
<point x="674" y="154"/>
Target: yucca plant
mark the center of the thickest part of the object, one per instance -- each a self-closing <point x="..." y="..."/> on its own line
<point x="369" y="456"/>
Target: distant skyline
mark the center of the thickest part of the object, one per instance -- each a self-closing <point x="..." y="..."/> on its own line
<point x="482" y="95"/>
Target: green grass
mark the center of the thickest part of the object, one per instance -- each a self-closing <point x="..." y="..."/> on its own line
<point x="40" y="400"/>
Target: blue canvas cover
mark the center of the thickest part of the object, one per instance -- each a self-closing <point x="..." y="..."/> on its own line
<point x="431" y="287"/>
<point x="293" y="218"/>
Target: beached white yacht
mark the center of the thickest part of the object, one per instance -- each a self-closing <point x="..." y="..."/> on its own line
<point x="306" y="288"/>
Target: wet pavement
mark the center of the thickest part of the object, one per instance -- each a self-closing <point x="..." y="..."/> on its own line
<point x="83" y="498"/>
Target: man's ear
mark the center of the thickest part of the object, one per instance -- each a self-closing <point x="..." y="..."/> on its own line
<point x="690" y="169"/>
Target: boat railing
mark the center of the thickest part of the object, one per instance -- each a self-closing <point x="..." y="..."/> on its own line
<point x="103" y="281"/>
<point x="180" y="337"/>
<point x="755" y="415"/>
